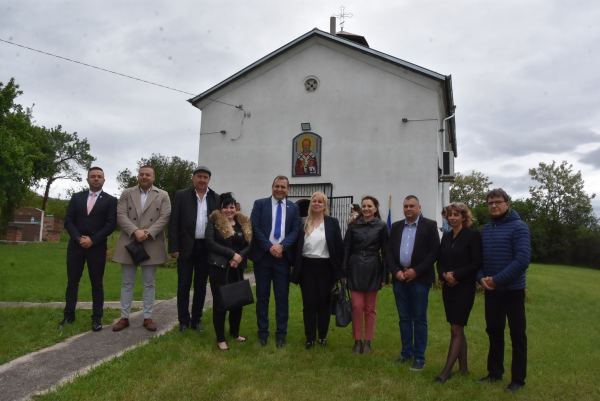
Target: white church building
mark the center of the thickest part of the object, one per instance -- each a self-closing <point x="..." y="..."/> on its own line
<point x="336" y="116"/>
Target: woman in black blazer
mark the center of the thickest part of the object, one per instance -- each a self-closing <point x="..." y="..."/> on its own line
<point x="228" y="237"/>
<point x="318" y="264"/>
<point x="459" y="258"/>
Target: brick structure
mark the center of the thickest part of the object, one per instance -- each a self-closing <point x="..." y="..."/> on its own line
<point x="52" y="235"/>
<point x="51" y="223"/>
<point x="14" y="233"/>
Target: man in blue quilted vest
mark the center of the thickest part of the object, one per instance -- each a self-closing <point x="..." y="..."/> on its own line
<point x="506" y="252"/>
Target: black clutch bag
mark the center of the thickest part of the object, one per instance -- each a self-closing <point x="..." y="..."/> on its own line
<point x="137" y="252"/>
<point x="234" y="295"/>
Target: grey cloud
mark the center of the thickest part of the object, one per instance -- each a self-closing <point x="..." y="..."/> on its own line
<point x="592" y="158"/>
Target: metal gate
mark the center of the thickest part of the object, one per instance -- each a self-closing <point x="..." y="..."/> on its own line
<point x="339" y="207"/>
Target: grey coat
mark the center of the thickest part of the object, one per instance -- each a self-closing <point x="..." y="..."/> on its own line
<point x="363" y="245"/>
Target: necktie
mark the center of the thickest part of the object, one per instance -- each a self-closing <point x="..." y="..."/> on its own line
<point x="277" y="233"/>
<point x="91" y="205"/>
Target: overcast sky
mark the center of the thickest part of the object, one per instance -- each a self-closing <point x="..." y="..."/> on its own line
<point x="525" y="73"/>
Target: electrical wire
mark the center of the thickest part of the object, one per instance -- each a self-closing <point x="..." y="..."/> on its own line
<point x="114" y="72"/>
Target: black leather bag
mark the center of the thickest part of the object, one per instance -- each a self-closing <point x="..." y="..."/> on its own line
<point x="343" y="310"/>
<point x="234" y="295"/>
<point x="137" y="252"/>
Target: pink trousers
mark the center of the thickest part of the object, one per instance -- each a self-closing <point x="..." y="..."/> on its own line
<point x="363" y="303"/>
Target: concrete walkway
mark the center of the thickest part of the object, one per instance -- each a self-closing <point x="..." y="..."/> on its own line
<point x="80" y="305"/>
<point x="52" y="367"/>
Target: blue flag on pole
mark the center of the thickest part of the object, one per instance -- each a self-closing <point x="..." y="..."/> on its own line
<point x="389" y="220"/>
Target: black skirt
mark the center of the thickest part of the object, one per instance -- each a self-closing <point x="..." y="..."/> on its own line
<point x="458" y="302"/>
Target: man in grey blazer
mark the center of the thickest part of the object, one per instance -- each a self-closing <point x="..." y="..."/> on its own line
<point x="143" y="213"/>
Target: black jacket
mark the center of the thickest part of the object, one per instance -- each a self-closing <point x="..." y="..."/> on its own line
<point x="335" y="246"/>
<point x="98" y="225"/>
<point x="219" y="234"/>
<point x="464" y="258"/>
<point x="425" y="251"/>
<point x="182" y="223"/>
<point x="363" y="265"/>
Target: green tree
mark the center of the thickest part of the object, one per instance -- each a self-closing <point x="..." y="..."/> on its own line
<point x="560" y="196"/>
<point x="64" y="154"/>
<point x="470" y="189"/>
<point x="17" y="152"/>
<point x="172" y="173"/>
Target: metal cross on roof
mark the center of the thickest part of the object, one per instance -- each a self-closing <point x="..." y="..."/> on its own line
<point x="341" y="17"/>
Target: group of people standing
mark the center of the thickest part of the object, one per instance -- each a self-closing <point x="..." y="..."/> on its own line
<point x="210" y="238"/>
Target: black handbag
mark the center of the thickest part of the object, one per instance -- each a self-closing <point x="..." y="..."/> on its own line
<point x="343" y="310"/>
<point x="336" y="293"/>
<point x="137" y="252"/>
<point x="234" y="295"/>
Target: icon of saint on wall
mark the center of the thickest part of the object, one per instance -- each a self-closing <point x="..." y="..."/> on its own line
<point x="307" y="154"/>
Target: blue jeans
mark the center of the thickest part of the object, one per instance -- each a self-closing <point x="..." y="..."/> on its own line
<point x="271" y="269"/>
<point x="411" y="301"/>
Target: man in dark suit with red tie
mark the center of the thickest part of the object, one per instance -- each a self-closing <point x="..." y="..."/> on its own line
<point x="275" y="225"/>
<point x="91" y="217"/>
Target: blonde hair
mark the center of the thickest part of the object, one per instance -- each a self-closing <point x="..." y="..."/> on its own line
<point x="308" y="225"/>
<point x="463" y="210"/>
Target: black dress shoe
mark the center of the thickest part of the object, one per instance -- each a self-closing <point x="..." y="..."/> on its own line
<point x="198" y="327"/>
<point x="183" y="327"/>
<point x="489" y="379"/>
<point x="96" y="325"/>
<point x="262" y="342"/>
<point x="281" y="343"/>
<point x="402" y="360"/>
<point x="514" y="387"/>
<point x="66" y="320"/>
<point x="309" y="344"/>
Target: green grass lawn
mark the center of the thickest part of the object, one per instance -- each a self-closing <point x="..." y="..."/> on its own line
<point x="564" y="356"/>
<point x="37" y="272"/>
<point x="26" y="330"/>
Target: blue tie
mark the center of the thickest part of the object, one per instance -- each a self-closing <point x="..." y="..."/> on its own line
<point x="278" y="221"/>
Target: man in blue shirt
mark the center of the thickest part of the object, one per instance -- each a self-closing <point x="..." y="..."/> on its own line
<point x="410" y="255"/>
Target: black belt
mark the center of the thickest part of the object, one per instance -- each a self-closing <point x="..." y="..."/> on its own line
<point x="199" y="240"/>
<point x="366" y="253"/>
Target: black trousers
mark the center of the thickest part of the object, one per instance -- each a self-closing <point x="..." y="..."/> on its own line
<point x="316" y="283"/>
<point x="500" y="305"/>
<point x="197" y="267"/>
<point x="217" y="279"/>
<point x="77" y="257"/>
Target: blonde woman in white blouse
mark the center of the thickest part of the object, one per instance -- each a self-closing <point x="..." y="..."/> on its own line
<point x="318" y="264"/>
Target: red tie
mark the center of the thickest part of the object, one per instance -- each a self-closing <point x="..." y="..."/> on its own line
<point x="91" y="205"/>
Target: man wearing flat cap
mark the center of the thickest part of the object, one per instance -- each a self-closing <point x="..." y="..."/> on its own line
<point x="189" y="216"/>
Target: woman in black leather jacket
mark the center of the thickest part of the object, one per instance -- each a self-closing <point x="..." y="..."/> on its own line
<point x="228" y="237"/>
<point x="365" y="271"/>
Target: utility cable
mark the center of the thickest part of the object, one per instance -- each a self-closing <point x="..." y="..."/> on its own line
<point x="113" y="72"/>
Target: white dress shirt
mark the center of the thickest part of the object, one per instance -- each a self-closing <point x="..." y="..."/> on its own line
<point x="283" y="210"/>
<point x="90" y="197"/>
<point x="201" y="218"/>
<point x="315" y="245"/>
<point x="144" y="196"/>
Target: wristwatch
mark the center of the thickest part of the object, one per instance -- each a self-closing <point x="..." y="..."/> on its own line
<point x="78" y="239"/>
<point x="282" y="248"/>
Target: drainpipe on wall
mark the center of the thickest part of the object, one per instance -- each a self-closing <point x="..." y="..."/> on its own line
<point x="443" y="150"/>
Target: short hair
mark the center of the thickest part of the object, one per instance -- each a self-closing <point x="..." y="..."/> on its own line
<point x="94" y="168"/>
<point x="147" y="166"/>
<point x="497" y="192"/>
<point x="281" y="177"/>
<point x="409" y="197"/>
<point x="227" y="199"/>
<point x="463" y="210"/>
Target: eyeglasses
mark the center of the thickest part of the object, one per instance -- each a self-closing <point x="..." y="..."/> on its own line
<point x="497" y="203"/>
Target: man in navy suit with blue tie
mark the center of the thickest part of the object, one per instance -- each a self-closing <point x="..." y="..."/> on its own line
<point x="275" y="225"/>
<point x="91" y="217"/>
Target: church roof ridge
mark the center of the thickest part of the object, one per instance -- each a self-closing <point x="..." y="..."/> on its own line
<point x="317" y="32"/>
